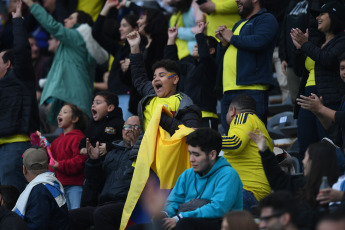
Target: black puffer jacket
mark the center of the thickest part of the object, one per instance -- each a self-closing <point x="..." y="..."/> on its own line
<point x="187" y="114"/>
<point x="110" y="178"/>
<point x="327" y="79"/>
<point x="18" y="104"/>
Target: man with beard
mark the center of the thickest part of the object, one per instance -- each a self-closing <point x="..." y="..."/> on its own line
<point x="247" y="56"/>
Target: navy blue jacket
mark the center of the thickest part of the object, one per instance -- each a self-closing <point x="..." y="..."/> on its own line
<point x="255" y="46"/>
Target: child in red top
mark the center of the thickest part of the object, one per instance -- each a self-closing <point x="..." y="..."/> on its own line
<point x="69" y="164"/>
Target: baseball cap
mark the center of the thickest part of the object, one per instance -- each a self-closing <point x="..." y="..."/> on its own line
<point x="332" y="7"/>
<point x="35" y="159"/>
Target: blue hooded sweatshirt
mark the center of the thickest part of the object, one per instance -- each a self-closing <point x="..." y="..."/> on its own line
<point x="221" y="185"/>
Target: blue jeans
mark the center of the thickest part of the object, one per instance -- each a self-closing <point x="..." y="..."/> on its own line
<point x="73" y="196"/>
<point x="309" y="128"/>
<point x="249" y="199"/>
<point x="123" y="104"/>
<point x="260" y="96"/>
<point x="11" y="164"/>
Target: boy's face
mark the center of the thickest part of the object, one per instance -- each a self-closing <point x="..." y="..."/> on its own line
<point x="100" y="108"/>
<point x="164" y="82"/>
<point x="342" y="70"/>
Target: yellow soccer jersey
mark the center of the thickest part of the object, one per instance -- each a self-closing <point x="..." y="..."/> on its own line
<point x="243" y="154"/>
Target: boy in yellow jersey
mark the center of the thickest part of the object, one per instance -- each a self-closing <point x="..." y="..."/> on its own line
<point x="162" y="90"/>
<point x="242" y="153"/>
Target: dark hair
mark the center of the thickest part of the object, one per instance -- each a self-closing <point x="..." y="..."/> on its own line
<point x="169" y="65"/>
<point x="239" y="220"/>
<point x="281" y="202"/>
<point x="335" y="216"/>
<point x="131" y="19"/>
<point x="8" y="56"/>
<point x="156" y="23"/>
<point x="206" y="139"/>
<point x="244" y="103"/>
<point x="323" y="163"/>
<point x="341" y="57"/>
<point x="9" y="194"/>
<point x="109" y="97"/>
<point x="183" y="5"/>
<point x="83" y="18"/>
<point x="337" y="24"/>
<point x="82" y="119"/>
<point x="212" y="43"/>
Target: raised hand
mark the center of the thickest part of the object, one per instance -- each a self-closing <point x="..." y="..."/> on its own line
<point x="28" y="2"/>
<point x="134" y="39"/>
<point x="108" y="5"/>
<point x="298" y="37"/>
<point x="93" y="152"/>
<point x="259" y="140"/>
<point x="201" y="27"/>
<point x="172" y="35"/>
<point x="18" y="13"/>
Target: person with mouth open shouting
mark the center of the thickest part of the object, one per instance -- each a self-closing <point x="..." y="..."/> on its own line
<point x="162" y="90"/>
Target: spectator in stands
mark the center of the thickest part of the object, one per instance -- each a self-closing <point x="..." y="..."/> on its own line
<point x="334" y="221"/>
<point x="162" y="89"/>
<point x="199" y="76"/>
<point x="42" y="204"/>
<point x="74" y="62"/>
<point x="19" y="111"/>
<point x="69" y="163"/>
<point x="239" y="220"/>
<point x="320" y="160"/>
<point x="321" y="62"/>
<point x="242" y="153"/>
<point x="100" y="177"/>
<point x="202" y="194"/>
<point x="278" y="211"/>
<point x="247" y="52"/>
<point x="8" y="219"/>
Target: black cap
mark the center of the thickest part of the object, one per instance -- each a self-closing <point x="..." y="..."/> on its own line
<point x="333" y="7"/>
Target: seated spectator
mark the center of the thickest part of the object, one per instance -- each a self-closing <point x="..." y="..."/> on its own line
<point x="111" y="179"/>
<point x="161" y="90"/>
<point x="202" y="194"/>
<point x="333" y="221"/>
<point x="8" y="219"/>
<point x="239" y="220"/>
<point x="278" y="211"/>
<point x="42" y="204"/>
<point x="69" y="163"/>
<point x="74" y="62"/>
<point x="242" y="153"/>
<point x="19" y="112"/>
<point x="199" y="76"/>
<point x="320" y="160"/>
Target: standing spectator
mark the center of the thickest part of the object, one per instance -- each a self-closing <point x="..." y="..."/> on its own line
<point x="322" y="75"/>
<point x="247" y="53"/>
<point x="69" y="163"/>
<point x="75" y="60"/>
<point x="42" y="204"/>
<point x="19" y="112"/>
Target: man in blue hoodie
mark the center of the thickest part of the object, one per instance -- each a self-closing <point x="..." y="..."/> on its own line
<point x="247" y="53"/>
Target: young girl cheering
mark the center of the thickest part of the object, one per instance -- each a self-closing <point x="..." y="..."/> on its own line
<point x="69" y="164"/>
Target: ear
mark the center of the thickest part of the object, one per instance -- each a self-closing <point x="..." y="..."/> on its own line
<point x="213" y="155"/>
<point x="25" y="171"/>
<point x="212" y="51"/>
<point x="285" y="219"/>
<point x="8" y="64"/>
<point x="111" y="108"/>
<point x="75" y="120"/>
<point x="176" y="79"/>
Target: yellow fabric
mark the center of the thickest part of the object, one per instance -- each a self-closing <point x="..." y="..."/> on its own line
<point x="14" y="138"/>
<point x="167" y="156"/>
<point x="93" y="7"/>
<point x="208" y="114"/>
<point x="243" y="154"/>
<point x="310" y="66"/>
<point x="111" y="60"/>
<point x="182" y="47"/>
<point x="226" y="14"/>
<point x="172" y="103"/>
<point x="230" y="69"/>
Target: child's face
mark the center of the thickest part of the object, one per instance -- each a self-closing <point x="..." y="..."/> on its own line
<point x="100" y="108"/>
<point x="65" y="117"/>
<point x="164" y="82"/>
<point x="342" y="70"/>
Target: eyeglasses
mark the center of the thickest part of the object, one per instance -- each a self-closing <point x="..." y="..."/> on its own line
<point x="267" y="218"/>
<point x="130" y="127"/>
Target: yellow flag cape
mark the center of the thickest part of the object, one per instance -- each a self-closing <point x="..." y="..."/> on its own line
<point x="167" y="156"/>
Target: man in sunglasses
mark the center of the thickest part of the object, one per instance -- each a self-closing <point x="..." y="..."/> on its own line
<point x="110" y="178"/>
<point x="278" y="211"/>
